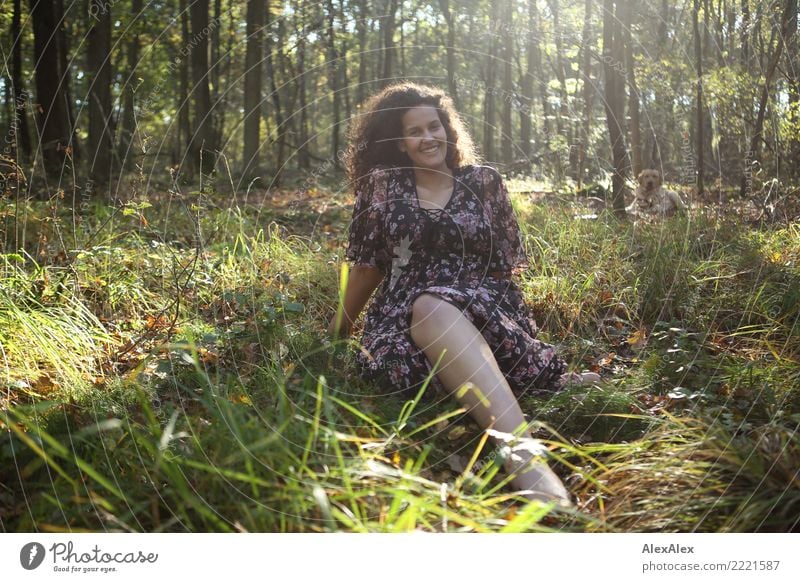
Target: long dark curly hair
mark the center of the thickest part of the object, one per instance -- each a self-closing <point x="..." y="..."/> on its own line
<point x="376" y="129"/>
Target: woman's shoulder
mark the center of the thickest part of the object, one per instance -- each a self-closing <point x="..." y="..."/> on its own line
<point x="480" y="169"/>
<point x="482" y="174"/>
<point x="381" y="171"/>
<point x="385" y="168"/>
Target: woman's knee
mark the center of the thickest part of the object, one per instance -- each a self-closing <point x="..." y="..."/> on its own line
<point x="425" y="310"/>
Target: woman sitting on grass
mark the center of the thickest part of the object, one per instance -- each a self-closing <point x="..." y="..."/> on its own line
<point x="438" y="234"/>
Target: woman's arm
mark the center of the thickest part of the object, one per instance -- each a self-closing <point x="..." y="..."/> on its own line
<point x="363" y="280"/>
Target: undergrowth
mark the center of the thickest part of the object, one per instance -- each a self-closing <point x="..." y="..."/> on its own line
<point x="163" y="371"/>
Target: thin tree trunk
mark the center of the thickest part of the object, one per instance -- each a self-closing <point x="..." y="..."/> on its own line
<point x="526" y="86"/>
<point x="100" y="130"/>
<point x="184" y="106"/>
<point x="562" y="119"/>
<point x="344" y="79"/>
<point x="361" y="32"/>
<point x="633" y="90"/>
<point x="757" y="137"/>
<point x="128" y="125"/>
<point x="488" y="114"/>
<point x="588" y="93"/>
<point x="698" y="57"/>
<point x="507" y="143"/>
<point x="719" y="33"/>
<point x="19" y="95"/>
<point x="254" y="61"/>
<point x="543" y="92"/>
<point x="452" y="89"/>
<point x="732" y="39"/>
<point x="613" y="54"/>
<point x="662" y="106"/>
<point x="334" y="76"/>
<point x="389" y="49"/>
<point x="745" y="55"/>
<point x="203" y="144"/>
<point x="706" y="29"/>
<point x="303" y="154"/>
<point x="280" y="121"/>
<point x="402" y="47"/>
<point x="55" y="131"/>
<point x="63" y="39"/>
<point x="793" y="61"/>
<point x="214" y="68"/>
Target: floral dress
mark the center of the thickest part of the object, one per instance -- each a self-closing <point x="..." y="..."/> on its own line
<point x="451" y="254"/>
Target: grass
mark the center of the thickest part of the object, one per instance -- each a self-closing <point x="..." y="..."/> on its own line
<point x="163" y="371"/>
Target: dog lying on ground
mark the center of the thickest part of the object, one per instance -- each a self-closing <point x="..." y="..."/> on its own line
<point x="651" y="198"/>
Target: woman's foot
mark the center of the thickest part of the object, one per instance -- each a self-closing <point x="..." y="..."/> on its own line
<point x="576" y="378"/>
<point x="534" y="479"/>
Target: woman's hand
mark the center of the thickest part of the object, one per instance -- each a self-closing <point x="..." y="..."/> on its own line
<point x="362" y="281"/>
<point x="345" y="328"/>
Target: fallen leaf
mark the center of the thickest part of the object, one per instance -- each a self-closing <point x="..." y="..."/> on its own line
<point x="638" y="339"/>
<point x="606" y="361"/>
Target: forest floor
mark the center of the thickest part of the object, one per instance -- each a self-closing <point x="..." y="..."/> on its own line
<point x="163" y="370"/>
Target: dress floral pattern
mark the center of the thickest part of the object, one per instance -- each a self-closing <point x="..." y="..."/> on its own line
<point x="450" y="253"/>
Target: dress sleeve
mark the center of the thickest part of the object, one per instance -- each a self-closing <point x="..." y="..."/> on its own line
<point x="507" y="254"/>
<point x="366" y="241"/>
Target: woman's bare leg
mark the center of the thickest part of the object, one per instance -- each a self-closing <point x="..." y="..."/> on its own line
<point x="438" y="326"/>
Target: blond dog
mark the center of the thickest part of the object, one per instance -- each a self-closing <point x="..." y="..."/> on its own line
<point x="652" y="198"/>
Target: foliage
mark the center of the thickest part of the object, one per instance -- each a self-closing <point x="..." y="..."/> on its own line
<point x="188" y="378"/>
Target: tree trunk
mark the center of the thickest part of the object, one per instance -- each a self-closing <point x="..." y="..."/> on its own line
<point x="444" y="6"/>
<point x="277" y="106"/>
<point x="63" y="38"/>
<point x="214" y="72"/>
<point x="526" y="87"/>
<point x="361" y="32"/>
<point x="562" y="118"/>
<point x="699" y="129"/>
<point x="19" y="95"/>
<point x="614" y="91"/>
<point x="202" y="145"/>
<point x="183" y="105"/>
<point x="488" y="113"/>
<point x="588" y="93"/>
<point x="254" y="61"/>
<point x="794" y="84"/>
<point x="100" y="130"/>
<point x="633" y="90"/>
<point x="344" y="79"/>
<point x="732" y="39"/>
<point x="543" y="92"/>
<point x="757" y="137"/>
<point x="389" y="49"/>
<point x="706" y="30"/>
<point x="745" y="55"/>
<point x="333" y="80"/>
<point x="662" y="104"/>
<point x="56" y="139"/>
<point x="719" y="33"/>
<point x="402" y="47"/>
<point x="303" y="154"/>
<point x="506" y="143"/>
<point x="128" y="124"/>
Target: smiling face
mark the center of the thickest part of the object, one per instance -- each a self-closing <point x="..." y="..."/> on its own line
<point x="424" y="138"/>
